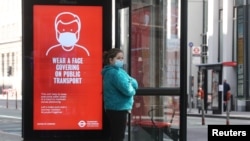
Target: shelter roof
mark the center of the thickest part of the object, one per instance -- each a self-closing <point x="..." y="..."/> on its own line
<point x="217" y="66"/>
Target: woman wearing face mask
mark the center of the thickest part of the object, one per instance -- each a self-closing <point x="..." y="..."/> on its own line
<point x="119" y="89"/>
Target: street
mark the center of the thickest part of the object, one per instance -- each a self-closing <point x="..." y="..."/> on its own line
<point x="198" y="132"/>
<point x="10" y="123"/>
<point x="10" y="103"/>
<point x="195" y="131"/>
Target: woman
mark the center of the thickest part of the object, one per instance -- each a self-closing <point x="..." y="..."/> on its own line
<point x="200" y="97"/>
<point x="119" y="89"/>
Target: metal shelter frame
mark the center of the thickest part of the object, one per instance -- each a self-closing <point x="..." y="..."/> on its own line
<point x="203" y="81"/>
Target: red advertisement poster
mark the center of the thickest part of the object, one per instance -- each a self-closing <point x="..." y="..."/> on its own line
<point x="67" y="67"/>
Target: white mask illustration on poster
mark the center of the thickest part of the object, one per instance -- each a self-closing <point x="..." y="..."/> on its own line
<point x="67" y="40"/>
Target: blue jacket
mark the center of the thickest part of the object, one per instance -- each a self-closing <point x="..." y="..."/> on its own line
<point x="118" y="88"/>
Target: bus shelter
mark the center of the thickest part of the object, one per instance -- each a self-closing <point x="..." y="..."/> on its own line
<point x="62" y="83"/>
<point x="215" y="71"/>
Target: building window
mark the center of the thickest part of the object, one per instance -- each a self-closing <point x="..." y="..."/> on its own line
<point x="2" y="65"/>
<point x="234" y="35"/>
<point x="220" y="50"/>
<point x="13" y="62"/>
<point x="239" y="2"/>
<point x="155" y="47"/>
<point x="240" y="51"/>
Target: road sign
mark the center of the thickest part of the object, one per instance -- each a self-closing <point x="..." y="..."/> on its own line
<point x="190" y="44"/>
<point x="196" y="50"/>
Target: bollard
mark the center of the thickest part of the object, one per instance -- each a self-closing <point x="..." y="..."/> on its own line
<point x="227" y="118"/>
<point x="16" y="99"/>
<point x="227" y="103"/>
<point x="202" y="112"/>
<point x="7" y="100"/>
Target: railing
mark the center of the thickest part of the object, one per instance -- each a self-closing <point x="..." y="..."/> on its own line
<point x="10" y="95"/>
<point x="158" y="121"/>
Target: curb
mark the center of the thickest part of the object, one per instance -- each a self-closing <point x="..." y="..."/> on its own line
<point x="220" y="116"/>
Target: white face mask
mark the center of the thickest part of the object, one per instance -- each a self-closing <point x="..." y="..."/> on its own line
<point x="67" y="39"/>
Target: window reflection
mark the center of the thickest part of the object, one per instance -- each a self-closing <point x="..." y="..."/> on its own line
<point x="155" y="63"/>
<point x="155" y="44"/>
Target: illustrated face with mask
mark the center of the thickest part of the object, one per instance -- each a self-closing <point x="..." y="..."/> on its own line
<point x="68" y="33"/>
<point x="67" y="30"/>
<point x="118" y="60"/>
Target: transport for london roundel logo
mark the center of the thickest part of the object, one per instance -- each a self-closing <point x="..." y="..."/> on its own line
<point x="82" y="123"/>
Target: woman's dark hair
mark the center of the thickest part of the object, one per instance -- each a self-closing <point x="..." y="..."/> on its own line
<point x="110" y="54"/>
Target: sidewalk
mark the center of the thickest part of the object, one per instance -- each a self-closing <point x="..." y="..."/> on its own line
<point x="10" y="97"/>
<point x="245" y="115"/>
<point x="10" y="137"/>
<point x="194" y="112"/>
<point x="13" y="114"/>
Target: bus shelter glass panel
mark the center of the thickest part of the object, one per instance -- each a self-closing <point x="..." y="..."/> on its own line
<point x="155" y="118"/>
<point x="155" y="43"/>
<point x="124" y="33"/>
<point x="155" y="63"/>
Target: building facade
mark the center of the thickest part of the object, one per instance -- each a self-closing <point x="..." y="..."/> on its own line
<point x="10" y="46"/>
<point x="223" y="37"/>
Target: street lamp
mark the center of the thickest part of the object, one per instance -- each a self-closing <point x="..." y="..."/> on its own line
<point x="190" y="77"/>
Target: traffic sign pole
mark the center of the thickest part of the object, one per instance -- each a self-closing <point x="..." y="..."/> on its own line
<point x="190" y="77"/>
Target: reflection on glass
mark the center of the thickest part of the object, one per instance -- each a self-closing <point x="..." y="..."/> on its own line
<point x="155" y="43"/>
<point x="124" y="33"/>
<point x="155" y="117"/>
<point x="215" y="89"/>
<point x="155" y="63"/>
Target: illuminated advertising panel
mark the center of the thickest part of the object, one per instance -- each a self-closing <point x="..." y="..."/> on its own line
<point x="67" y="51"/>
